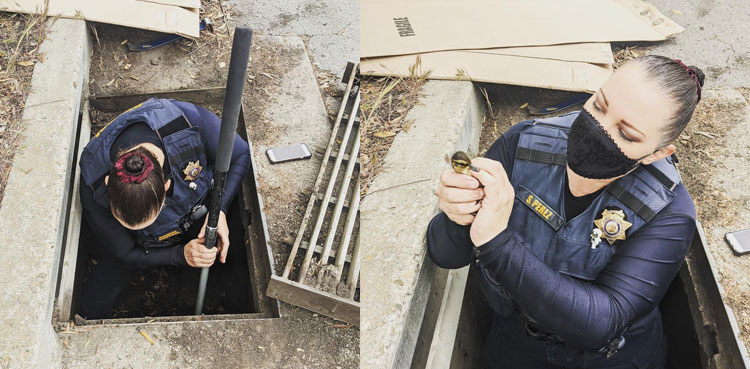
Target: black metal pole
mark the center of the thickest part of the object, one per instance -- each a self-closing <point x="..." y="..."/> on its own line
<point x="231" y="113"/>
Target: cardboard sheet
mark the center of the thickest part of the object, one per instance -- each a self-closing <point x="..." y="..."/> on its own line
<point x="189" y="4"/>
<point x="131" y="13"/>
<point x="590" y="52"/>
<point x="507" y="69"/>
<point x="400" y="27"/>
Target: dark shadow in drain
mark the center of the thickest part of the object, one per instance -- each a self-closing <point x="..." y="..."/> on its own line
<point x="476" y="316"/>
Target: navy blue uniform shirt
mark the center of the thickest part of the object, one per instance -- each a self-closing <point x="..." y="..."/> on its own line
<point x="588" y="313"/>
<point x="119" y="241"/>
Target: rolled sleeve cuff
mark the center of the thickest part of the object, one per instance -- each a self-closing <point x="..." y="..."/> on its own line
<point x="491" y="247"/>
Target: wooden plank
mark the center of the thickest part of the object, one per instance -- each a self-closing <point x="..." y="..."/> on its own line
<point x="188" y="4"/>
<point x="306" y="297"/>
<point x="130" y="13"/>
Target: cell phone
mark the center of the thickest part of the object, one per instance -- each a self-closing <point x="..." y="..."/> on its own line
<point x="740" y="241"/>
<point x="288" y="153"/>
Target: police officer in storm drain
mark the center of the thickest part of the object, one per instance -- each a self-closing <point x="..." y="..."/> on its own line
<point x="145" y="176"/>
<point x="582" y="224"/>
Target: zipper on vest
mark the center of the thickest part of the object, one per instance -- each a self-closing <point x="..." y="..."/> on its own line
<point x="145" y="248"/>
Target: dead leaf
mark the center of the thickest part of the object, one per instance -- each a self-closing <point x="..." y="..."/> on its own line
<point x="127" y="66"/>
<point x="384" y="134"/>
<point x="111" y="82"/>
<point x="524" y="105"/>
<point x="145" y="335"/>
<point x="190" y="74"/>
<point x="124" y="42"/>
<point x="25" y="63"/>
<point x="676" y="12"/>
<point x="135" y="78"/>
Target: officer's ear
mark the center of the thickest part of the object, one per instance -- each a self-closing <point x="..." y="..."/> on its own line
<point x="659" y="154"/>
<point x="106" y="180"/>
<point x="167" y="184"/>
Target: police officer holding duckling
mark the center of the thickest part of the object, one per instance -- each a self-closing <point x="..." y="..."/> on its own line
<point x="581" y="224"/>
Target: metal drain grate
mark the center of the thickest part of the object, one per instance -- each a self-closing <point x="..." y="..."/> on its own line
<point x="318" y="283"/>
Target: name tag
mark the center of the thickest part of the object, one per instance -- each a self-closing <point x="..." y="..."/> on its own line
<point x="538" y="206"/>
<point x="168" y="235"/>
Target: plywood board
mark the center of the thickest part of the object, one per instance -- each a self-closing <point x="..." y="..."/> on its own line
<point x="506" y="69"/>
<point x="389" y="27"/>
<point x="131" y="13"/>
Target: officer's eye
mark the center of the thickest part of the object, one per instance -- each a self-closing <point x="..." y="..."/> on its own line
<point x="624" y="136"/>
<point x="597" y="107"/>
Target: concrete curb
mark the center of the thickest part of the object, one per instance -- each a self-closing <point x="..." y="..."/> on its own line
<point x="396" y="276"/>
<point x="33" y="213"/>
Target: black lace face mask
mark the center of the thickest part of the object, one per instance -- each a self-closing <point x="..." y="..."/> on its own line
<point x="592" y="153"/>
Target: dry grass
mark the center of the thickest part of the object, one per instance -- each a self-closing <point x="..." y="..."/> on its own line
<point x="385" y="103"/>
<point x="624" y="53"/>
<point x="20" y="37"/>
<point x="208" y="48"/>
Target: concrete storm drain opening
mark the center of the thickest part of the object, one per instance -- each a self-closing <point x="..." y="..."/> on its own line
<point x="701" y="330"/>
<point x="168" y="294"/>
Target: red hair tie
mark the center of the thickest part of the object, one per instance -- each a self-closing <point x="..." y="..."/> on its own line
<point x="693" y="75"/>
<point x="148" y="166"/>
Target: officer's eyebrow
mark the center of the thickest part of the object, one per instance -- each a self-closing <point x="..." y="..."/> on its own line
<point x="606" y="102"/>
<point x="601" y="91"/>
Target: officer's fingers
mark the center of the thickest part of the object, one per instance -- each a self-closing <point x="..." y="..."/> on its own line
<point x="451" y="194"/>
<point x="224" y="236"/>
<point x="487" y="180"/>
<point x="450" y="178"/>
<point x="462" y="219"/>
<point x="203" y="260"/>
<point x="494" y="167"/>
<point x="460" y="208"/>
<point x="206" y="252"/>
<point x="224" y="251"/>
<point x="203" y="263"/>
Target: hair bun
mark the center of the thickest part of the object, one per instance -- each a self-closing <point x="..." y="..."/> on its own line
<point x="698" y="73"/>
<point x="134" y="164"/>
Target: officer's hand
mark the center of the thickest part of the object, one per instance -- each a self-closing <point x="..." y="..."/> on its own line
<point x="492" y="217"/>
<point x="197" y="255"/>
<point x="222" y="243"/>
<point x="458" y="194"/>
